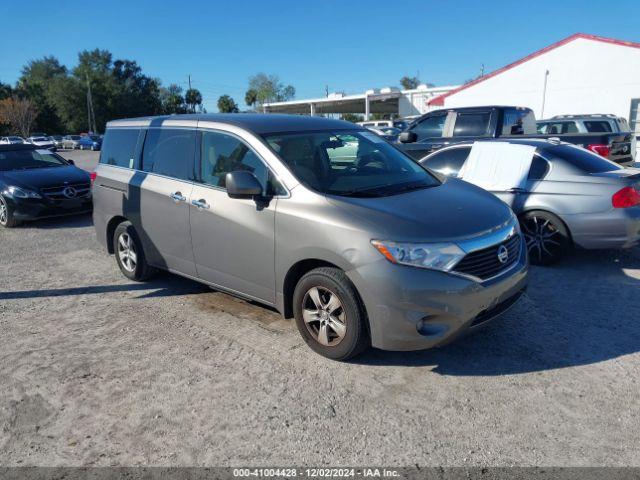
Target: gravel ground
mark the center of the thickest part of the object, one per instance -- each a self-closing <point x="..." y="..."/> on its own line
<point x="97" y="370"/>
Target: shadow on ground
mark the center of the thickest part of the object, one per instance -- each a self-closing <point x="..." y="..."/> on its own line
<point x="582" y="311"/>
<point x="165" y="285"/>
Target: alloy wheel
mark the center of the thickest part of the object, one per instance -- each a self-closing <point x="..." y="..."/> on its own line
<point x="542" y="237"/>
<point x="4" y="212"/>
<point x="324" y="316"/>
<point x="127" y="252"/>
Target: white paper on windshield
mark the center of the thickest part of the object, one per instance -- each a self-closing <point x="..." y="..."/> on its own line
<point x="497" y="166"/>
<point x="43" y="151"/>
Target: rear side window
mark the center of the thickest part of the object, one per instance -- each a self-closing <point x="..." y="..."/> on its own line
<point x="584" y="160"/>
<point x="119" y="147"/>
<point x="539" y="168"/>
<point x="518" y="121"/>
<point x="471" y="124"/>
<point x="448" y="162"/>
<point x="169" y="152"/>
<point x="596" y="126"/>
<point x="430" y="127"/>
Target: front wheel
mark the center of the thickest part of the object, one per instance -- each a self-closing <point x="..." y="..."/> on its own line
<point x="129" y="254"/>
<point x="329" y="314"/>
<point x="6" y="215"/>
<point x="546" y="237"/>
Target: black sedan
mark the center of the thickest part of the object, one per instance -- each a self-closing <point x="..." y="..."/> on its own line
<point x="37" y="183"/>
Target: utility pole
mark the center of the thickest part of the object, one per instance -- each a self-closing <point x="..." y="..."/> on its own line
<point x="326" y="91"/>
<point x="544" y="92"/>
<point x="482" y="70"/>
<point x="189" y="81"/>
<point x="91" y="116"/>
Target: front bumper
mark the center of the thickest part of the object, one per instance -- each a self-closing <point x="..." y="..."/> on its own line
<point x="617" y="228"/>
<point x="412" y="309"/>
<point x="36" y="208"/>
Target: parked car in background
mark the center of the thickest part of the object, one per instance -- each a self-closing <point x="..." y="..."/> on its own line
<point x="42" y="142"/>
<point x="70" y="142"/>
<point x="90" y="142"/>
<point x="12" y="140"/>
<point x="571" y="196"/>
<point x="376" y="123"/>
<point x="37" y="183"/>
<point x="57" y="140"/>
<point x="439" y="128"/>
<point x="219" y="198"/>
<point x="388" y="133"/>
<point x="593" y="123"/>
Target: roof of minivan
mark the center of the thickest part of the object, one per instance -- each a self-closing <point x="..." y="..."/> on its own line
<point x="255" y="122"/>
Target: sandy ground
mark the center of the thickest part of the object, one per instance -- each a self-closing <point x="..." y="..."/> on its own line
<point x="97" y="370"/>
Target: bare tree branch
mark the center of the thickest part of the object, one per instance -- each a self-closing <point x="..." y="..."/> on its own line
<point x="19" y="113"/>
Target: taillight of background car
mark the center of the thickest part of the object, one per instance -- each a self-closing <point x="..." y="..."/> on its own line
<point x="93" y="176"/>
<point x="602" y="150"/>
<point x="625" y="198"/>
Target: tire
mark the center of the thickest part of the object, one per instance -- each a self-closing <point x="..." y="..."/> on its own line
<point x="130" y="255"/>
<point x="330" y="315"/>
<point x="546" y="236"/>
<point x="7" y="219"/>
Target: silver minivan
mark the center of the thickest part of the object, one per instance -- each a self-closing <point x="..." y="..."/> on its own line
<point x="373" y="251"/>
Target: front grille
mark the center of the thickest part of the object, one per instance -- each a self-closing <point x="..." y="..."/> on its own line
<point x="56" y="193"/>
<point x="485" y="264"/>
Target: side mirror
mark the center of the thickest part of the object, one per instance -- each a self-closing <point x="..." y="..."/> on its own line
<point x="408" y="137"/>
<point x="70" y="162"/>
<point x="242" y="184"/>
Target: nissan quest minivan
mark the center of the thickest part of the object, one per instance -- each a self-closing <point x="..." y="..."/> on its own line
<point x="321" y="219"/>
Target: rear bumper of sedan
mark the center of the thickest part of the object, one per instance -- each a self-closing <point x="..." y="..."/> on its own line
<point x="413" y="309"/>
<point x="617" y="228"/>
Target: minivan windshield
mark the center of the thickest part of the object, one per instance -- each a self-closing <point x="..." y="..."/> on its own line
<point x="349" y="163"/>
<point x="28" y="159"/>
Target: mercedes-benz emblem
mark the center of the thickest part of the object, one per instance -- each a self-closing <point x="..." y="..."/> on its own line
<point x="503" y="254"/>
<point x="70" y="192"/>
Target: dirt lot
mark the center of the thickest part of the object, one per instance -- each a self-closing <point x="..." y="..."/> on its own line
<point x="96" y="370"/>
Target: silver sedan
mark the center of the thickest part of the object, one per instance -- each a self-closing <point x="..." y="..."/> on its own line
<point x="570" y="197"/>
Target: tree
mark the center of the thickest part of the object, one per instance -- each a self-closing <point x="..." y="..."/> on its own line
<point x="268" y="88"/>
<point x="409" y="83"/>
<point x="226" y="104"/>
<point x="352" y="117"/>
<point x="5" y="90"/>
<point x="193" y="99"/>
<point x="172" y="100"/>
<point x="19" y="113"/>
<point x="36" y="83"/>
<point x="251" y="97"/>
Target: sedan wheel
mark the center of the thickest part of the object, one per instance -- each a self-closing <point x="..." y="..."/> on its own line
<point x="546" y="237"/>
<point x="6" y="215"/>
<point x="324" y="316"/>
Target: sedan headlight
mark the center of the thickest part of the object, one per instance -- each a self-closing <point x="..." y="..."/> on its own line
<point x="22" y="193"/>
<point x="437" y="256"/>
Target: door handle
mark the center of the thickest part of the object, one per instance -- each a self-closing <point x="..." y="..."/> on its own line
<point x="178" y="197"/>
<point x="517" y="190"/>
<point x="200" y="204"/>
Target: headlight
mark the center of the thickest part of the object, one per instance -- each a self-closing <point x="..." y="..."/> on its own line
<point x="437" y="256"/>
<point x="22" y="193"/>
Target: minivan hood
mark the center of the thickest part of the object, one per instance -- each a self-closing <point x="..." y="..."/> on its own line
<point x="453" y="210"/>
<point x="45" y="177"/>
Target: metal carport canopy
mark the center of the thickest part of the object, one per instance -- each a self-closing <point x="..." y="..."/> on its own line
<point x="378" y="103"/>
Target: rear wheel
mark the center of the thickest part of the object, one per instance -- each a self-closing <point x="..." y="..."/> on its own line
<point x="6" y="215"/>
<point x="329" y="314"/>
<point x="546" y="237"/>
<point x="129" y="254"/>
